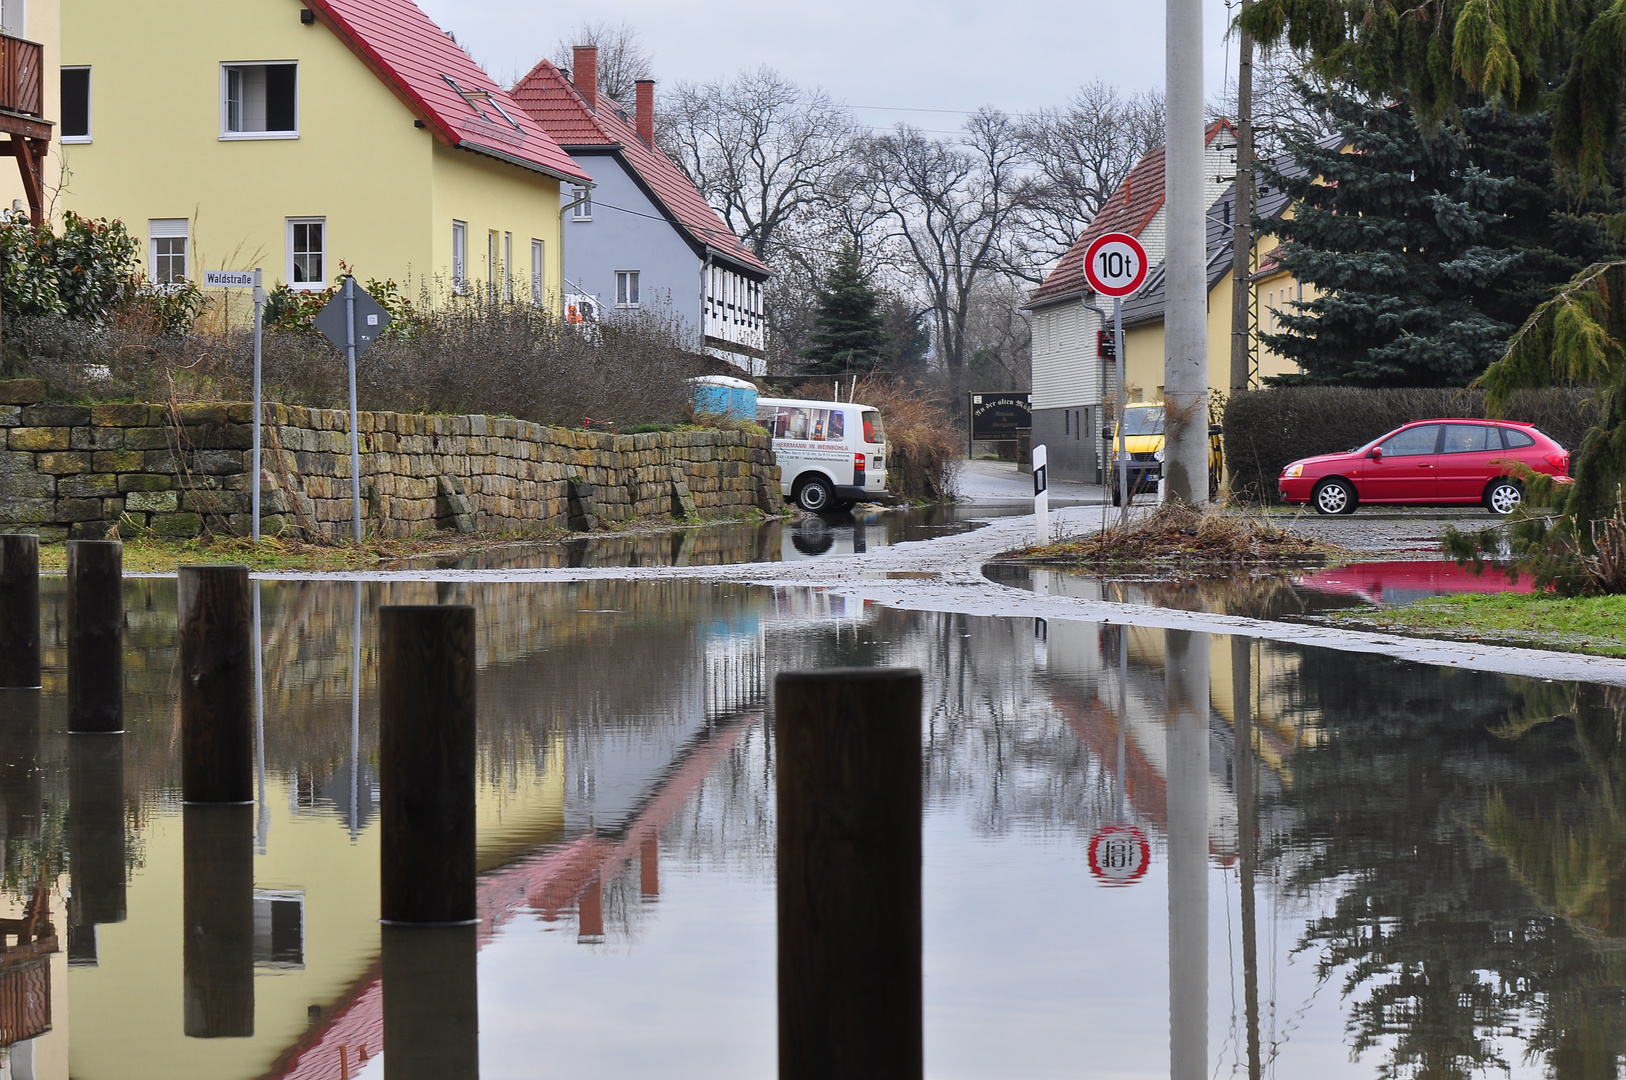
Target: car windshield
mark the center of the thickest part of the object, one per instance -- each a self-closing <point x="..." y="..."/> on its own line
<point x="1147" y="421"/>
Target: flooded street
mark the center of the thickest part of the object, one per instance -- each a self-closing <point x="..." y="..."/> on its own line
<point x="1367" y="867"/>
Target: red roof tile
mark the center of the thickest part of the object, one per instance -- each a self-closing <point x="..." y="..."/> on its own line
<point x="414" y="57"/>
<point x="553" y="102"/>
<point x="1129" y="210"/>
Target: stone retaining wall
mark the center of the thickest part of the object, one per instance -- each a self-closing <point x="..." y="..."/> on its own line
<point x="80" y="470"/>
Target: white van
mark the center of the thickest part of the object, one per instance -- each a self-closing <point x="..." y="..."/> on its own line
<point x="832" y="454"/>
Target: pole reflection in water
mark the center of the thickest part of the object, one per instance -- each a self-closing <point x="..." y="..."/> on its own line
<point x="20" y="765"/>
<point x="96" y="844"/>
<point x="262" y="826"/>
<point x="1247" y="817"/>
<point x="355" y="708"/>
<point x="431" y="1003"/>
<point x="1185" y="669"/>
<point x="218" y="902"/>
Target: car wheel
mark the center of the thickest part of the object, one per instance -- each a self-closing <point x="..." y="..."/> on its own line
<point x="815" y="495"/>
<point x="1117" y="492"/>
<point x="1334" y="497"/>
<point x="1502" y="496"/>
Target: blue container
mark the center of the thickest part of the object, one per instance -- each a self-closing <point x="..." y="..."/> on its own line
<point x="721" y="394"/>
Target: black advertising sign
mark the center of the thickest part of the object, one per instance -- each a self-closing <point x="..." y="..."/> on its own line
<point x="1000" y="417"/>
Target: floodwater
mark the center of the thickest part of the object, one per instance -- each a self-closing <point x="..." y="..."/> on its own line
<point x="775" y="540"/>
<point x="1355" y="867"/>
<point x="1274" y="594"/>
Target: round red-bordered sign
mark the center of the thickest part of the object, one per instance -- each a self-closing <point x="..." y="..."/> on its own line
<point x="1119" y="855"/>
<point x="1115" y="264"/>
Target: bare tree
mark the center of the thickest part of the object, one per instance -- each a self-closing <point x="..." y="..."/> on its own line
<point x="954" y="208"/>
<point x="1280" y="110"/>
<point x="1082" y="152"/>
<point x="762" y="149"/>
<point x="622" y="58"/>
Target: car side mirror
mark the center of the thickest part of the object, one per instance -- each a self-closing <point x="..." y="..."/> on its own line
<point x="1106" y="433"/>
<point x="1376" y="454"/>
<point x="1216" y="429"/>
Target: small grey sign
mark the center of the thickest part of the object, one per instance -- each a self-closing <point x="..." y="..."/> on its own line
<point x="371" y="319"/>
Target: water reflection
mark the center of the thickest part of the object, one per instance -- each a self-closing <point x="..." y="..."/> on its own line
<point x="431" y="1003"/>
<point x="1358" y="866"/>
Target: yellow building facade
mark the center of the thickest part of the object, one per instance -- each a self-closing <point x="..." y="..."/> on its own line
<point x="309" y="140"/>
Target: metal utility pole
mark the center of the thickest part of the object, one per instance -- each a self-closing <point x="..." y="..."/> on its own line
<point x="1242" y="227"/>
<point x="355" y="433"/>
<point x="1185" y="320"/>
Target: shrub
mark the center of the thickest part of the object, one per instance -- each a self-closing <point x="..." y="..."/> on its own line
<point x="1267" y="429"/>
<point x="83" y="274"/>
<point x="469" y="357"/>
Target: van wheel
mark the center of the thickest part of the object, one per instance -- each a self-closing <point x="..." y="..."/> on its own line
<point x="815" y="495"/>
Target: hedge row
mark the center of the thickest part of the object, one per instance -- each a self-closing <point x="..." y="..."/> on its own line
<point x="1266" y="429"/>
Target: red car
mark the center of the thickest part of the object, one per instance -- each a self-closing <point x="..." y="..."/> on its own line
<point x="1430" y="463"/>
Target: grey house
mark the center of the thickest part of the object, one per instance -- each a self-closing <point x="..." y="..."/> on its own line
<point x="644" y="236"/>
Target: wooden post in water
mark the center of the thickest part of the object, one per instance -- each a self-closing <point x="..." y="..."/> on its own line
<point x="426" y="763"/>
<point x="431" y="1003"/>
<point x="218" y="910"/>
<point x="217" y="685"/>
<point x="849" y="821"/>
<point x="19" y="610"/>
<point x="96" y="848"/>
<point x="95" y="636"/>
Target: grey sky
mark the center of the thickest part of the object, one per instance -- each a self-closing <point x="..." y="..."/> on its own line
<point x="888" y="56"/>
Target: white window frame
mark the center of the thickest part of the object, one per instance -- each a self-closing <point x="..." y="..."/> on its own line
<point x="628" y="277"/>
<point x="75" y="140"/>
<point x="508" y="268"/>
<point x="227" y="135"/>
<point x="539" y="264"/>
<point x="491" y="265"/>
<point x="169" y="229"/>
<point x="306" y="286"/>
<point x="460" y="257"/>
<point x="583" y="198"/>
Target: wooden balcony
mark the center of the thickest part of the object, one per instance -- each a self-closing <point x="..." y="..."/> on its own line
<point x="22" y="115"/>
<point x="22" y="77"/>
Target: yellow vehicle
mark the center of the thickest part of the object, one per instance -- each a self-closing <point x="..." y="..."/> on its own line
<point x="1143" y="442"/>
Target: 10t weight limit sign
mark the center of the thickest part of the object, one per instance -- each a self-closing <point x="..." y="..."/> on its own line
<point x="1115" y="265"/>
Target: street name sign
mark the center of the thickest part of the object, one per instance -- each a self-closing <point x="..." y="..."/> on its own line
<point x="229" y="279"/>
<point x="1115" y="265"/>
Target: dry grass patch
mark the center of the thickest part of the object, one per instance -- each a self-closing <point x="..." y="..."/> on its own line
<point x="1176" y="535"/>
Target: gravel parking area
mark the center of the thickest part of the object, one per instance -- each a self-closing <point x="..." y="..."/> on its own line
<point x="1385" y="532"/>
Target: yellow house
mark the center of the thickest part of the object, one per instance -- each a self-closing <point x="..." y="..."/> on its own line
<point x="1273" y="289"/>
<point x="308" y="139"/>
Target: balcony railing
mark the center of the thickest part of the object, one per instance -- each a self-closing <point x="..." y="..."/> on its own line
<point x="22" y="76"/>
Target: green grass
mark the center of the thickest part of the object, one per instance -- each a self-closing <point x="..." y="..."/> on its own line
<point x="1592" y="624"/>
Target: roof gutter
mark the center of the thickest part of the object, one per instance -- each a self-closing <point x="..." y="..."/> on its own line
<point x="477" y="148"/>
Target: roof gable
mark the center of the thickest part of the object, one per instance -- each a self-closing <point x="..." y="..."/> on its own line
<point x="1129" y="210"/>
<point x="550" y="99"/>
<point x="436" y="79"/>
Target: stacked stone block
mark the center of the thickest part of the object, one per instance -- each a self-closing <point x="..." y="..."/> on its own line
<point x="78" y="471"/>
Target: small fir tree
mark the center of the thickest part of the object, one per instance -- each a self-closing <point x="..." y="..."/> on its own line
<point x="849" y="332"/>
<point x="1398" y="236"/>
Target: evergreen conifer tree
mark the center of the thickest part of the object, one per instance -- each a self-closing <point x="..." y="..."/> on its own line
<point x="1398" y="239"/>
<point x="849" y="331"/>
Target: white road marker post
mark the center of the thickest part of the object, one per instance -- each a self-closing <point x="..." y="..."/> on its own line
<point x="1041" y="497"/>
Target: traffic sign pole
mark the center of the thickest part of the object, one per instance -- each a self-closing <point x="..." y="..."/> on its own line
<point x="1115" y="266"/>
<point x="1118" y="351"/>
<point x="355" y="433"/>
<point x="259" y="414"/>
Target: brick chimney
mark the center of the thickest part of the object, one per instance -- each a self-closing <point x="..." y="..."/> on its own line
<point x="643" y="112"/>
<point x="584" y="73"/>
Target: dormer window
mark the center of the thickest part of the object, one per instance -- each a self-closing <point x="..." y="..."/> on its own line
<point x="259" y="101"/>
